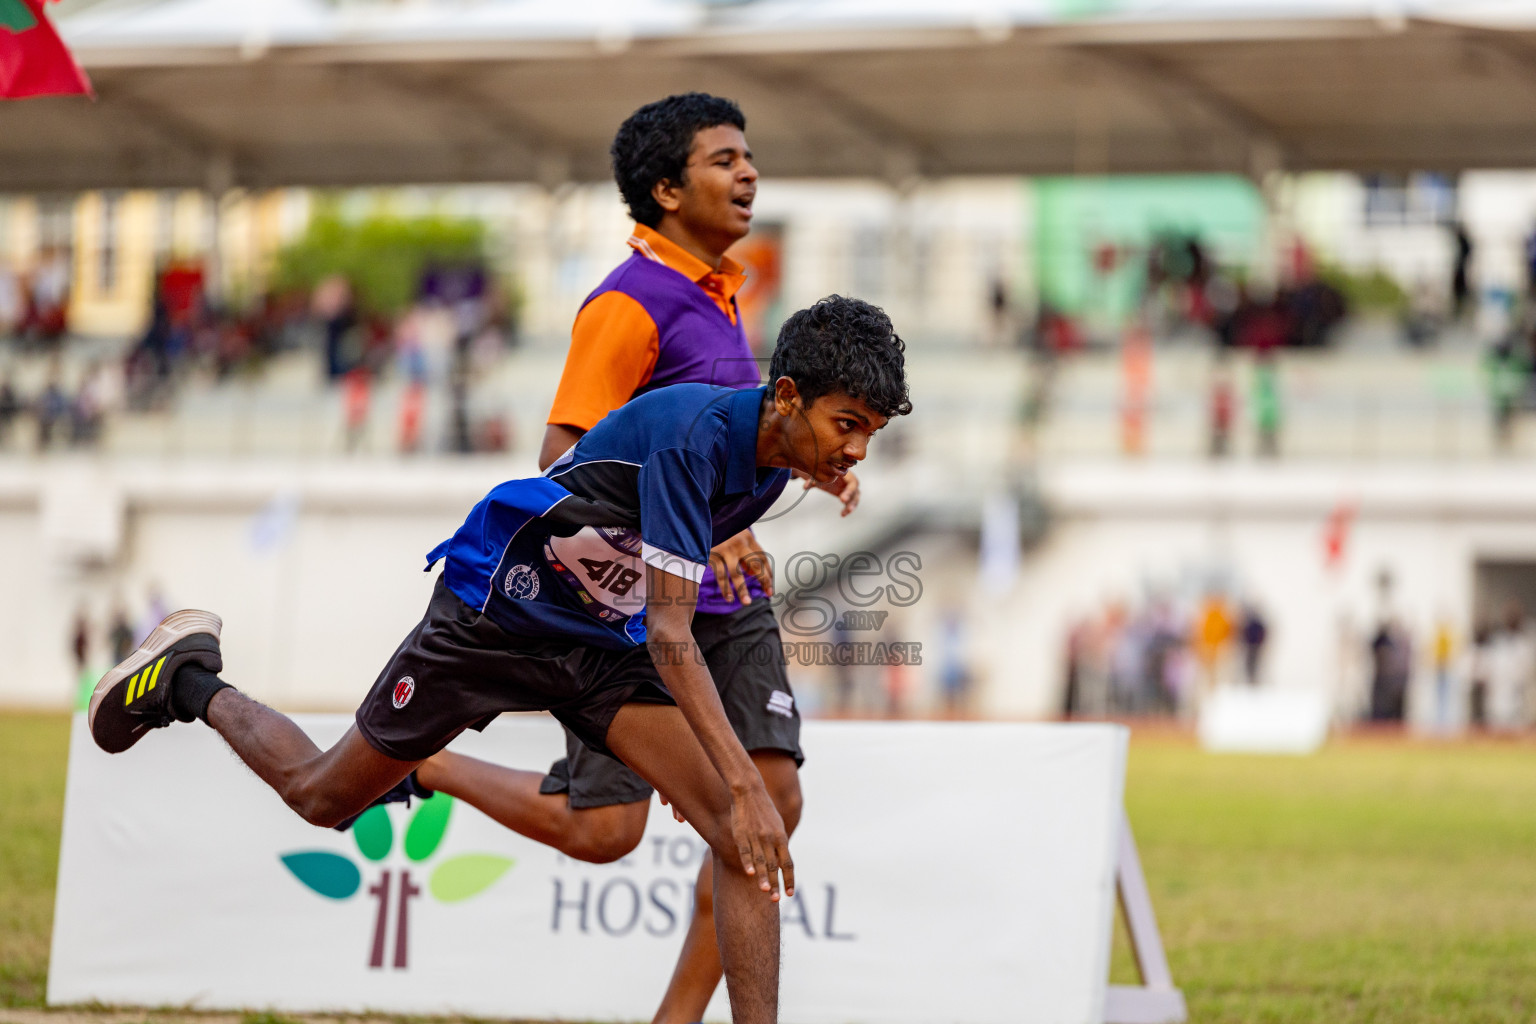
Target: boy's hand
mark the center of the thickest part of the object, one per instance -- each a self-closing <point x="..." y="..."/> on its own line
<point x="733" y="560"/>
<point x="761" y="840"/>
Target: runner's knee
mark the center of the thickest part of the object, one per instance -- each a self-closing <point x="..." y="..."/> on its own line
<point x="790" y="802"/>
<point x="782" y="780"/>
<point x="704" y="891"/>
<point x="315" y="802"/>
<point x="605" y="834"/>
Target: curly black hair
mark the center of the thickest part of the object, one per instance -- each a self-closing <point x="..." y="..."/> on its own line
<point x="843" y="344"/>
<point x="653" y="145"/>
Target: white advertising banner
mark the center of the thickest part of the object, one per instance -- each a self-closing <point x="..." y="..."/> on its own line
<point x="947" y="873"/>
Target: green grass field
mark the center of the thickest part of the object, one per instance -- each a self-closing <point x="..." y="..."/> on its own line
<point x="33" y="749"/>
<point x="1379" y="881"/>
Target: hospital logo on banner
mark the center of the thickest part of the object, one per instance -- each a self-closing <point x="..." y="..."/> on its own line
<point x="340" y="877"/>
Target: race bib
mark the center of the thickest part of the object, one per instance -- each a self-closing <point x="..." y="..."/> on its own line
<point x="602" y="564"/>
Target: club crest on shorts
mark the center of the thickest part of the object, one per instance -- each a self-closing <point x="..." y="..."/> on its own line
<point x="403" y="691"/>
<point x="522" y="583"/>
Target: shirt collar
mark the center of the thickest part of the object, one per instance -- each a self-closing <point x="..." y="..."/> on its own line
<point x="741" y="433"/>
<point x="653" y="245"/>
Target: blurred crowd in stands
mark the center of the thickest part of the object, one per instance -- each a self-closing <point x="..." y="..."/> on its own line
<point x="1185" y="293"/>
<point x="435" y="328"/>
<point x="1163" y="656"/>
<point x="1483" y="682"/>
<point x="1157" y="658"/>
<point x="457" y="326"/>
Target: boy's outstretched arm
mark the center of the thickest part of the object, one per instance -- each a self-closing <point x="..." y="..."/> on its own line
<point x="755" y="823"/>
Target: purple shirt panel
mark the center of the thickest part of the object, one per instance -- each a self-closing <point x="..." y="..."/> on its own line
<point x="696" y="344"/>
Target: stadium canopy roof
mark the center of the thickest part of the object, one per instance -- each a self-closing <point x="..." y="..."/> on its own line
<point x="319" y="92"/>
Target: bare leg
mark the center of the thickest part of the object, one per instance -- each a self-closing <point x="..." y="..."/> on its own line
<point x="323" y="786"/>
<point x="656" y="742"/>
<point x="600" y="835"/>
<point x="698" y="966"/>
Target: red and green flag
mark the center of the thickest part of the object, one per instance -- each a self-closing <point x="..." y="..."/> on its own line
<point x="33" y="59"/>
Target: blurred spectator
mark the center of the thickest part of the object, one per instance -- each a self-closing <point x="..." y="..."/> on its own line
<point x="355" y="392"/>
<point x="12" y="308"/>
<point x="1223" y="408"/>
<point x="1461" y="263"/>
<point x="1143" y="661"/>
<point x="461" y="437"/>
<point x="895" y="680"/>
<point x="1160" y="691"/>
<point x="80" y="641"/>
<point x="1441" y="655"/>
<point x="1129" y="684"/>
<point x="954" y="675"/>
<point x="412" y="407"/>
<point x="1001" y="309"/>
<point x="52" y="408"/>
<point x="334" y="308"/>
<point x="492" y="435"/>
<point x="842" y="673"/>
<point x="1136" y="368"/>
<point x="1255" y="633"/>
<point x="1510" y="671"/>
<point x="1266" y="403"/>
<point x="1530" y="265"/>
<point x="155" y="611"/>
<point x="1425" y="317"/>
<point x="88" y="408"/>
<point x="1508" y="376"/>
<point x="120" y="635"/>
<point x="1213" y="632"/>
<point x="1391" y="663"/>
<point x="1056" y="333"/>
<point x="47" y="317"/>
<point x="1477" y="681"/>
<point x="10" y="408"/>
<point x="1084" y="692"/>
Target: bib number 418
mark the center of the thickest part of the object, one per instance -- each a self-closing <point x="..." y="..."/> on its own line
<point x="611" y="575"/>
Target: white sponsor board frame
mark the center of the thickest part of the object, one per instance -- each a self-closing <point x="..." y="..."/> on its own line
<point x="947" y="872"/>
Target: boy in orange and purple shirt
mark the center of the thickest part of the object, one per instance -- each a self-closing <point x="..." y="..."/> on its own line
<point x="662" y="317"/>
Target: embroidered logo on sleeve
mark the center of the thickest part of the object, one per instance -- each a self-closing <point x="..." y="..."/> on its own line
<point x="781" y="703"/>
<point x="403" y="691"/>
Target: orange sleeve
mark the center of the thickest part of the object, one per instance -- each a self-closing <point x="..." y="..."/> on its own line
<point x="614" y="345"/>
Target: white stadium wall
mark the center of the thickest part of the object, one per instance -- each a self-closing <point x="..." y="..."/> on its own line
<point x="316" y="567"/>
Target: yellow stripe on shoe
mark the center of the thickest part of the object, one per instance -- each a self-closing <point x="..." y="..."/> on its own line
<point x="128" y="697"/>
<point x="158" y="666"/>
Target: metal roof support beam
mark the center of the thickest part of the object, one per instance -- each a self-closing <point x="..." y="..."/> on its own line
<point x="456" y="99"/>
<point x="899" y="159"/>
<point x="1265" y="150"/>
<point x="1506" y="49"/>
<point x="169" y="127"/>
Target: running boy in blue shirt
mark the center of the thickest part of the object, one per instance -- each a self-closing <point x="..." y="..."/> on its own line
<point x="512" y="627"/>
<point x="666" y="315"/>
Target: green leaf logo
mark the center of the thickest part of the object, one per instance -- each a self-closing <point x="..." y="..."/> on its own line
<point x="470" y="874"/>
<point x="427" y="826"/>
<point x="326" y="873"/>
<point x="458" y="878"/>
<point x="373" y="833"/>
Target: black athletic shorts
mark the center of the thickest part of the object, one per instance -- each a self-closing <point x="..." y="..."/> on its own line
<point x="746" y="659"/>
<point x="458" y="670"/>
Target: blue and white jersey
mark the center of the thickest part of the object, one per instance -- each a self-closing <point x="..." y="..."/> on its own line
<point x="658" y="481"/>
